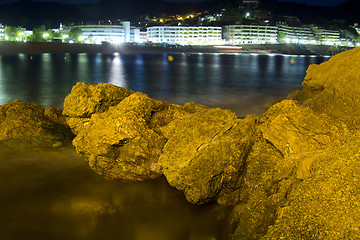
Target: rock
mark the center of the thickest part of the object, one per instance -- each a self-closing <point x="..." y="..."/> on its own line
<point x="295" y="130"/>
<point x="292" y="173"/>
<point x="86" y="99"/>
<point x="298" y="183"/>
<point x="287" y="134"/>
<point x="125" y="142"/>
<point x="204" y="152"/>
<point x="326" y="204"/>
<point x="119" y="143"/>
<point x="24" y="125"/>
<point x="333" y="88"/>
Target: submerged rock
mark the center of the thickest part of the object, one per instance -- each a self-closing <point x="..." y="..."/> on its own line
<point x="25" y="125"/>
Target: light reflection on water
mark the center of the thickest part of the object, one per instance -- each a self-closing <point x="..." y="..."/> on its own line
<point x="239" y="82"/>
<point x="54" y="195"/>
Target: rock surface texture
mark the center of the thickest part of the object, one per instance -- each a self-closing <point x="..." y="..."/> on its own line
<point x="291" y="173"/>
<point x="24" y="125"/>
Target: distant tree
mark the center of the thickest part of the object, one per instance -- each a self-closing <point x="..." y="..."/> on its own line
<point x="48" y="35"/>
<point x="56" y="34"/>
<point x="38" y="34"/>
<point x="75" y="34"/>
<point x="20" y="35"/>
<point x="281" y="37"/>
<point x="11" y="33"/>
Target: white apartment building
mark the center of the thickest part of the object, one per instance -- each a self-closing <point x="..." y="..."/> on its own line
<point x="299" y="35"/>
<point x="111" y="33"/>
<point x="199" y="35"/>
<point x="2" y="31"/>
<point x="250" y="34"/>
<point x="327" y="37"/>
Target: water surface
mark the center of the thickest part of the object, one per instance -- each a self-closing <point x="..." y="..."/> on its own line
<point x="240" y="82"/>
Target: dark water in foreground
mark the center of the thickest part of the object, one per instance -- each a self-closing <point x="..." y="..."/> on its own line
<point x="54" y="195"/>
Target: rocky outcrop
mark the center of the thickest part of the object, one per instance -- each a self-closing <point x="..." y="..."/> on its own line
<point x="291" y="173"/>
<point x="333" y="88"/>
<point x="118" y="131"/>
<point x="24" y="125"/>
<point x="302" y="170"/>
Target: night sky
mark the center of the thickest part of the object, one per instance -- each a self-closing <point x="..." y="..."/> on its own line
<point x="309" y="2"/>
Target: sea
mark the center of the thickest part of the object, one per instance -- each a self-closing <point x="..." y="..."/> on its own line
<point x="47" y="194"/>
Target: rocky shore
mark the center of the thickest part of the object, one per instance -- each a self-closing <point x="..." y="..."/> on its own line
<point x="291" y="173"/>
<point x="55" y="47"/>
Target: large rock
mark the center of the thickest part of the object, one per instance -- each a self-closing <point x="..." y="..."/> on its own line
<point x="119" y="143"/>
<point x="125" y="141"/>
<point x="286" y="135"/>
<point x="302" y="170"/>
<point x="25" y="125"/>
<point x="326" y="204"/>
<point x="333" y="87"/>
<point x="292" y="172"/>
<point x="205" y="151"/>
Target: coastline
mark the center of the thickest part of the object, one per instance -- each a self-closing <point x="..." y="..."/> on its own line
<point x="53" y="47"/>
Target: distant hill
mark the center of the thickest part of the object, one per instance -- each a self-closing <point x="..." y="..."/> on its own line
<point x="30" y="14"/>
<point x="348" y="11"/>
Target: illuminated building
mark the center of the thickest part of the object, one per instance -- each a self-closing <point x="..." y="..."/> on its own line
<point x="112" y="33"/>
<point x="298" y="35"/>
<point x="326" y="37"/>
<point x="357" y="28"/>
<point x="2" y="31"/>
<point x="250" y="34"/>
<point x="199" y="35"/>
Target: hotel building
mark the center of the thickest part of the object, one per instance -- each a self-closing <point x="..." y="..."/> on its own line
<point x="250" y="34"/>
<point x="298" y="35"/>
<point x="197" y="35"/>
<point x="327" y="37"/>
<point x="111" y="33"/>
<point x="2" y="31"/>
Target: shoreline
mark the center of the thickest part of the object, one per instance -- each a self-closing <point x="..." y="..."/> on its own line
<point x="52" y="47"/>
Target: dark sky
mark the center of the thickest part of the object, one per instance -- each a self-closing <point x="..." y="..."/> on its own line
<point x="309" y="2"/>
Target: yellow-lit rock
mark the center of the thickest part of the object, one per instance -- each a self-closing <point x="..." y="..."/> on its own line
<point x="86" y="99"/>
<point x="291" y="173"/>
<point x="333" y="87"/>
<point x="205" y="152"/>
<point x="302" y="173"/>
<point x="25" y="125"/>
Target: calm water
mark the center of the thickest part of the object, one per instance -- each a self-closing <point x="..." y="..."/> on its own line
<point x="52" y="195"/>
<point x="240" y="82"/>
